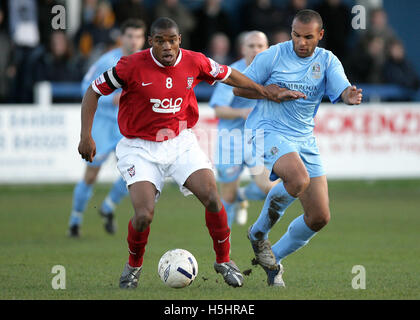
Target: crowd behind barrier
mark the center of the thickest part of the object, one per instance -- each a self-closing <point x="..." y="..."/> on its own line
<point x="31" y="51"/>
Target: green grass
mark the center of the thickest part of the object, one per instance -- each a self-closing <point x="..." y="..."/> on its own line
<point x="374" y="224"/>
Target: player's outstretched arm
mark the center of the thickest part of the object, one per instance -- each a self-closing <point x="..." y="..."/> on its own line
<point x="239" y="80"/>
<point x="87" y="147"/>
<point x="275" y="93"/>
<point x="351" y="95"/>
<point x="247" y="93"/>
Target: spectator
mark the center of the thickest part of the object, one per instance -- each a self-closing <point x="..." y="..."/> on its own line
<point x="210" y="19"/>
<point x="365" y="65"/>
<point x="219" y="49"/>
<point x="89" y="11"/>
<point x="24" y="33"/>
<point x="96" y="37"/>
<point x="337" y="24"/>
<point x="367" y="62"/>
<point x="398" y="70"/>
<point x="23" y="23"/>
<point x="126" y="9"/>
<point x="183" y="17"/>
<point x="378" y="27"/>
<point x="261" y="15"/>
<point x="58" y="63"/>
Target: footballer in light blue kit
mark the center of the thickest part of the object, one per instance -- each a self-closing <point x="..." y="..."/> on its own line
<point x="302" y="73"/>
<point x="231" y="154"/>
<point x="105" y="132"/>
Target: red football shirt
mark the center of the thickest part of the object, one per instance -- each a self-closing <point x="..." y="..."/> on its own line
<point x="158" y="102"/>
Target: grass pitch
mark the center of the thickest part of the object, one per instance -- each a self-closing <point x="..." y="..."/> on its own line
<point x="374" y="224"/>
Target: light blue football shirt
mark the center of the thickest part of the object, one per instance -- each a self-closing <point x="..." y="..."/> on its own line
<point x="223" y="96"/>
<point x="105" y="62"/>
<point x="318" y="75"/>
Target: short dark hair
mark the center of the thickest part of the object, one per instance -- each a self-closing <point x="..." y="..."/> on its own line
<point x="163" y="24"/>
<point x="307" y="15"/>
<point x="132" y="23"/>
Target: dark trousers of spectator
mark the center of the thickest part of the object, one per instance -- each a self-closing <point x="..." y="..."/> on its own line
<point x="21" y="90"/>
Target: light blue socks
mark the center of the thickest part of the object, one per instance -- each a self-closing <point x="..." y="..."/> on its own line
<point x="117" y="193"/>
<point x="298" y="234"/>
<point x="230" y="211"/>
<point x="277" y="201"/>
<point x="81" y="196"/>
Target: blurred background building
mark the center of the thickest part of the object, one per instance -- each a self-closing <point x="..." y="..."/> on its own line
<point x="382" y="59"/>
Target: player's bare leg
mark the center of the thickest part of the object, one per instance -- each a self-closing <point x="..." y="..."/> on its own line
<point x="142" y="196"/>
<point x="295" y="179"/>
<point x="203" y="185"/>
<point x="293" y="174"/>
<point x="228" y="191"/>
<point x="315" y="203"/>
<point x="316" y="215"/>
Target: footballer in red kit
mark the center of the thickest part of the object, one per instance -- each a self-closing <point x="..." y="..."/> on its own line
<point x="157" y="96"/>
<point x="157" y="110"/>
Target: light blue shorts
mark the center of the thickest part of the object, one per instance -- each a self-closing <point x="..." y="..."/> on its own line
<point x="231" y="159"/>
<point x="277" y="145"/>
<point x="106" y="134"/>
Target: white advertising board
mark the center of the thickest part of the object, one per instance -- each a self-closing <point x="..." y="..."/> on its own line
<point x="39" y="145"/>
<point x="373" y="141"/>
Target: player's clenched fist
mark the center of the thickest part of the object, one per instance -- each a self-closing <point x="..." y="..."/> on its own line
<point x="87" y="148"/>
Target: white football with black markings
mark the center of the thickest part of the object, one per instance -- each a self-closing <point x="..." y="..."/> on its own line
<point x="177" y="268"/>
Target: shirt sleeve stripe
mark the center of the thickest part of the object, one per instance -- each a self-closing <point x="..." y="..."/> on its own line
<point x="109" y="81"/>
<point x="114" y="80"/>
<point x="119" y="80"/>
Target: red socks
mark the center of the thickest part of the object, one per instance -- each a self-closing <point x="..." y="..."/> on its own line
<point x="136" y="245"/>
<point x="218" y="227"/>
<point x="219" y="230"/>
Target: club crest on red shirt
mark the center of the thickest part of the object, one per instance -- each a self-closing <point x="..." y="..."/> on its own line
<point x="190" y="81"/>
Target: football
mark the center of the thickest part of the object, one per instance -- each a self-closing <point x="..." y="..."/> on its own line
<point x="177" y="268"/>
